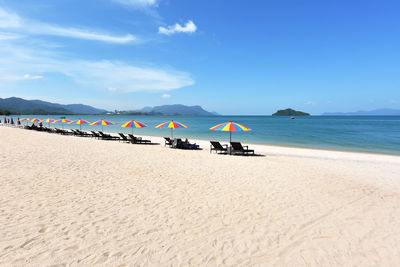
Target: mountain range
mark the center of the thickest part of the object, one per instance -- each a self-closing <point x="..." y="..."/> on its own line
<point x="178" y="109"/>
<point x="21" y="106"/>
<point x="376" y="112"/>
<point x="17" y="105"/>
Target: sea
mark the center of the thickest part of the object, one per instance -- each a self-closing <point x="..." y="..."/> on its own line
<point x="378" y="134"/>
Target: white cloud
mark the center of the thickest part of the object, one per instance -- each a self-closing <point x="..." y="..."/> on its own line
<point x="137" y="3"/>
<point x="9" y="20"/>
<point x="112" y="89"/>
<point x="125" y="77"/>
<point x="12" y="22"/>
<point x="166" y="96"/>
<point x="101" y="74"/>
<point x="309" y="103"/>
<point x="189" y="27"/>
<point x="32" y="77"/>
<point x="80" y="34"/>
<point x="9" y="36"/>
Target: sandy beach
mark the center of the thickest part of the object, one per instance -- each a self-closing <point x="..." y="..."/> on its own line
<point x="80" y="201"/>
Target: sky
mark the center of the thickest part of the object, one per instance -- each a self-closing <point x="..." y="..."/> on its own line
<point x="232" y="57"/>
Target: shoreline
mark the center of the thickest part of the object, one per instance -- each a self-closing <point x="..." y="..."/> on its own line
<point x="283" y="133"/>
<point x="263" y="146"/>
<point x="277" y="145"/>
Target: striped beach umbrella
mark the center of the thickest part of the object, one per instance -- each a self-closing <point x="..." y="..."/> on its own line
<point x="26" y="120"/>
<point x="48" y="120"/>
<point x="62" y="122"/>
<point x="36" y="120"/>
<point x="172" y="125"/>
<point x="80" y="122"/>
<point x="132" y="124"/>
<point x="102" y="123"/>
<point x="230" y="127"/>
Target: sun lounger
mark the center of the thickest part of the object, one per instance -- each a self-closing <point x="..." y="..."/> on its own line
<point x="108" y="136"/>
<point x="95" y="135"/>
<point x="74" y="132"/>
<point x="125" y="138"/>
<point x="237" y="148"/>
<point x="178" y="143"/>
<point x="217" y="147"/>
<point x="62" y="131"/>
<point x="138" y="140"/>
<point x="84" y="134"/>
<point x="168" y="141"/>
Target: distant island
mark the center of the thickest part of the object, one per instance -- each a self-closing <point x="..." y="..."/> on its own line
<point x="376" y="112"/>
<point x="290" y="112"/>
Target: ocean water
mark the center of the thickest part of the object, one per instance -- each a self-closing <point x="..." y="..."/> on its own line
<point x="355" y="133"/>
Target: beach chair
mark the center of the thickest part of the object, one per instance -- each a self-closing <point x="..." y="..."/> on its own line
<point x="62" y="131"/>
<point x="84" y="134"/>
<point x="237" y="148"/>
<point x="138" y="140"/>
<point x="95" y="135"/>
<point x="178" y="143"/>
<point x="217" y="147"/>
<point x="108" y="136"/>
<point x="188" y="145"/>
<point x="74" y="132"/>
<point x="168" y="141"/>
<point x="125" y="138"/>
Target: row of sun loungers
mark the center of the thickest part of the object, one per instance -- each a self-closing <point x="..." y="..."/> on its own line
<point x="235" y="148"/>
<point x="130" y="138"/>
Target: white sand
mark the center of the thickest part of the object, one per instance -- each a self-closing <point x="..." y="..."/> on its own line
<point x="78" y="201"/>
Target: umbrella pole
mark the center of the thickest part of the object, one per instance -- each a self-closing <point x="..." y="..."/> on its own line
<point x="230" y="140"/>
<point x="172" y="133"/>
<point x="132" y="130"/>
<point x="80" y="127"/>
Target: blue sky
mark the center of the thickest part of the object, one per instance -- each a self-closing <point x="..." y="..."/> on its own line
<point x="232" y="57"/>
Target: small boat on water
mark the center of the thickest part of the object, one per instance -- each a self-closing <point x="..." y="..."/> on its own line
<point x="292" y="118"/>
<point x="62" y="117"/>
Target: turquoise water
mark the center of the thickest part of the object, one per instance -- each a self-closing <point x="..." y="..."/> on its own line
<point x="355" y="133"/>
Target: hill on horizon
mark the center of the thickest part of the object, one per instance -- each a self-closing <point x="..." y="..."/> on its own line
<point x="18" y="105"/>
<point x="376" y="112"/>
<point x="178" y="109"/>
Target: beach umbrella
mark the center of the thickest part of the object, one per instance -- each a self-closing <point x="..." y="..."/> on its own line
<point x="132" y="124"/>
<point x="48" y="120"/>
<point x="102" y="123"/>
<point x="62" y="122"/>
<point x="25" y="119"/>
<point x="172" y="125"/>
<point x="230" y="127"/>
<point x="36" y="120"/>
<point x="80" y="122"/>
